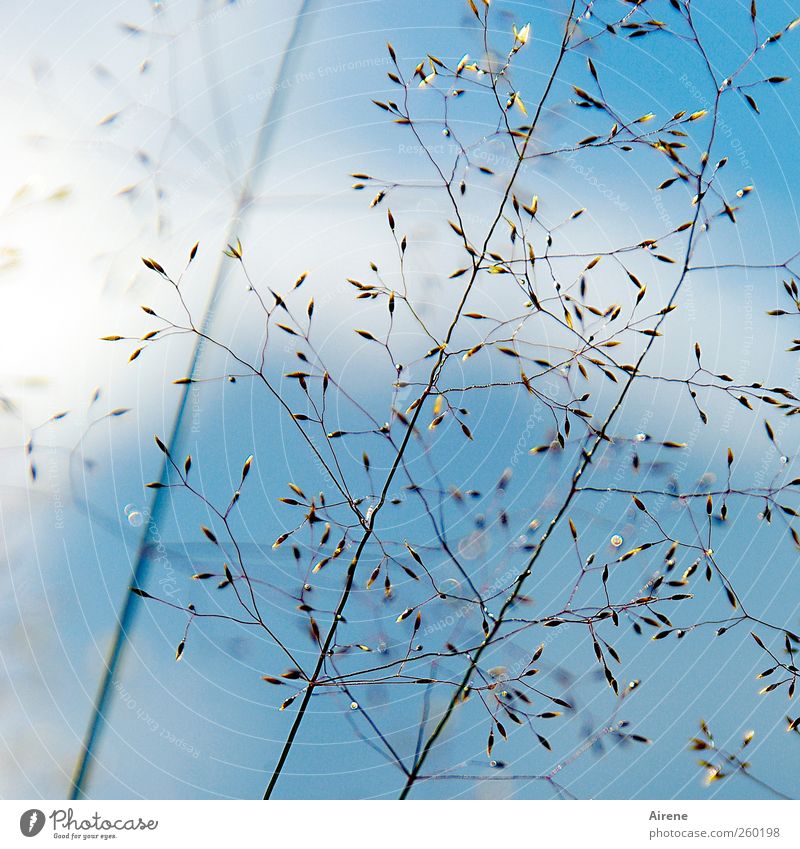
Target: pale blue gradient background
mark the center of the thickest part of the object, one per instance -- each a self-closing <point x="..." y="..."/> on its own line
<point x="195" y="110"/>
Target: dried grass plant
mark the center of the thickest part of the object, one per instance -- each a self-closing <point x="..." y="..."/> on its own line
<point x="577" y="330"/>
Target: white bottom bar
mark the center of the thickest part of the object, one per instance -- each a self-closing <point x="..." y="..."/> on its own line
<point x="544" y="825"/>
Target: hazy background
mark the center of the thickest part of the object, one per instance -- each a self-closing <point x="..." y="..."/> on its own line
<point x="133" y="131"/>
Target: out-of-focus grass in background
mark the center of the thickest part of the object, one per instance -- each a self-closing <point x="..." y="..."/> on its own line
<point x="133" y="130"/>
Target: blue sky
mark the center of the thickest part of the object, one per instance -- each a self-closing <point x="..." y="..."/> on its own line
<point x="208" y="727"/>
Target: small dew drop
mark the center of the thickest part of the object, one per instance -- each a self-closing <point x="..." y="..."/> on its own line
<point x="452" y="585"/>
<point x="616" y="541"/>
<point x="640" y="437"/>
<point x="133" y="515"/>
<point x="784" y="460"/>
<point x="353" y="705"/>
<point x="474" y="545"/>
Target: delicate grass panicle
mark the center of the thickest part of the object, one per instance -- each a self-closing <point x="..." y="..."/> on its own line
<point x="466" y="633"/>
